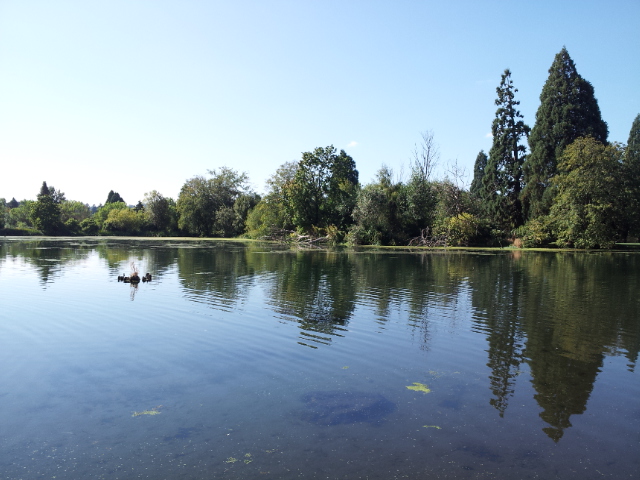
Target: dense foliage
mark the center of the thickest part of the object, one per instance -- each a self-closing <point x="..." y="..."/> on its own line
<point x="206" y="206"/>
<point x="568" y="110"/>
<point x="589" y="203"/>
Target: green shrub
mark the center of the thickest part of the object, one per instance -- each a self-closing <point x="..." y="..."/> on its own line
<point x="535" y="233"/>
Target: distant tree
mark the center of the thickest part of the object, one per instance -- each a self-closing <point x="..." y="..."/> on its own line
<point x="502" y="180"/>
<point x="124" y="221"/>
<point x="13" y="203"/>
<point x="323" y="189"/>
<point x="20" y="216"/>
<point x="57" y="195"/>
<point x="631" y="172"/>
<point x="139" y="206"/>
<point x="205" y="206"/>
<point x="73" y="209"/>
<point x="589" y="204"/>
<point x="102" y="213"/>
<point x="114" y="197"/>
<point x="88" y="226"/>
<point x="44" y="189"/>
<point x="45" y="212"/>
<point x="426" y="156"/>
<point x="417" y="198"/>
<point x="568" y="110"/>
<point x="3" y="211"/>
<point x="377" y="212"/>
<point x="478" y="174"/>
<point x="241" y="208"/>
<point x="159" y="212"/>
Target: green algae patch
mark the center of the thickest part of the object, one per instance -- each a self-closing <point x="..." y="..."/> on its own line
<point x="231" y="460"/>
<point x="153" y="411"/>
<point x="432" y="426"/>
<point x="419" y="387"/>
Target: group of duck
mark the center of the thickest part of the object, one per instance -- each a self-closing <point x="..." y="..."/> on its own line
<point x="134" y="278"/>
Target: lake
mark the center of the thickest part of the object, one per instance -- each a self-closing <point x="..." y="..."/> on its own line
<point x="250" y="360"/>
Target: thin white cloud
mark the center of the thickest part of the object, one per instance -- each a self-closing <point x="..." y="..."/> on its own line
<point x="488" y="135"/>
<point x="352" y="143"/>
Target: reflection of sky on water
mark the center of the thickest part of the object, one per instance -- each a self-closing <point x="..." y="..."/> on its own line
<point x="225" y="354"/>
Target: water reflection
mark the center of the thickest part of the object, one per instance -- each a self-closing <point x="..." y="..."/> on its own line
<point x="47" y="259"/>
<point x="552" y="318"/>
<point x="561" y="313"/>
<point x="219" y="275"/>
<point x="316" y="289"/>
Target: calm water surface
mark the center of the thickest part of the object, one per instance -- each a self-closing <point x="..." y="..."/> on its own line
<point x="241" y="361"/>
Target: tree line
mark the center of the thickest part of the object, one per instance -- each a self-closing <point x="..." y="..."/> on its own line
<point x="561" y="182"/>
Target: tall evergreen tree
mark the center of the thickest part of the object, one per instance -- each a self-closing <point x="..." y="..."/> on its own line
<point x="44" y="189"/>
<point x="114" y="197"/>
<point x="478" y="173"/>
<point x="45" y="213"/>
<point x="631" y="168"/>
<point x="568" y="110"/>
<point x="632" y="154"/>
<point x="502" y="180"/>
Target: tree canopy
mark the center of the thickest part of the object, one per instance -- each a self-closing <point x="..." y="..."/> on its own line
<point x="323" y="189"/>
<point x="568" y="110"/>
<point x="588" y="206"/>
<point x="206" y="205"/>
<point x="114" y="197"/>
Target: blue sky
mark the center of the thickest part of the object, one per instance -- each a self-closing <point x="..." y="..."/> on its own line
<point x="135" y="96"/>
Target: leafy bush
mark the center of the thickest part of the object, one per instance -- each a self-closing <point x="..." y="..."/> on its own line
<point x="88" y="226"/>
<point x="535" y="233"/>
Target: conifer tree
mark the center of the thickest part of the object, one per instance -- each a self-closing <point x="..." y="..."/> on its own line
<point x="478" y="173"/>
<point x="632" y="154"/>
<point x="568" y="110"/>
<point x="631" y="169"/>
<point x="114" y="197"/>
<point x="502" y="180"/>
<point x="45" y="213"/>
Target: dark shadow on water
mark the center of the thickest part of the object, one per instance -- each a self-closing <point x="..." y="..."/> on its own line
<point x="331" y="408"/>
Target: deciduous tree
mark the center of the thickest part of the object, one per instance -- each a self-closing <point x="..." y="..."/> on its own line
<point x="323" y="190"/>
<point x="206" y="205"/>
<point x="274" y="212"/>
<point x="158" y="211"/>
<point x="588" y="207"/>
<point x="377" y="211"/>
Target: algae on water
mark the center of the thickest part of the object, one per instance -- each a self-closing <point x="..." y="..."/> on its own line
<point x="419" y="387"/>
<point x="153" y="411"/>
